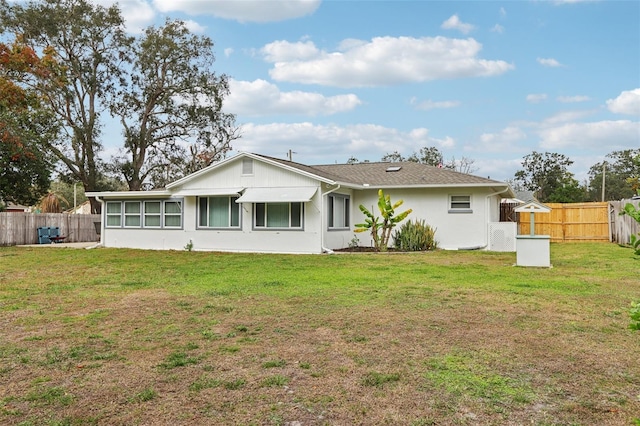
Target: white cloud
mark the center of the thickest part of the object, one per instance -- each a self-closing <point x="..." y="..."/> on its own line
<point x="138" y="14"/>
<point x="315" y="143"/>
<point x="454" y="23"/>
<point x="194" y="27"/>
<point x="564" y="117"/>
<point x="549" y="62"/>
<point x="429" y="104"/>
<point x="628" y="102"/>
<point x="505" y="140"/>
<point x="383" y="61"/>
<point x="535" y="98"/>
<point x="621" y="134"/>
<point x="497" y="28"/>
<point x="503" y="12"/>
<point x="228" y="51"/>
<point x="284" y="51"/>
<point x="573" y="99"/>
<point x="260" y="98"/>
<point x="242" y="11"/>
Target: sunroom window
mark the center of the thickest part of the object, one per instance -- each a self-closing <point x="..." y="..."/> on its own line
<point x="132" y="214"/>
<point x="114" y="214"/>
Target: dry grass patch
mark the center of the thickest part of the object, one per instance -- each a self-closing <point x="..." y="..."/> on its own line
<point x="131" y="337"/>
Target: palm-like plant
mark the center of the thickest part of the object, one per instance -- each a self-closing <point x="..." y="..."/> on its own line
<point x="380" y="229"/>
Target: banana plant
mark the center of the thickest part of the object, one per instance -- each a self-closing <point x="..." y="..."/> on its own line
<point x="381" y="226"/>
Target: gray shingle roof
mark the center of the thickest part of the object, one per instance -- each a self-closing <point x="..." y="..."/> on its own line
<point x="376" y="174"/>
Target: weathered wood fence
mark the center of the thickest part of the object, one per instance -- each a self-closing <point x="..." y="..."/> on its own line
<point x="583" y="222"/>
<point x="622" y="227"/>
<point x="22" y="228"/>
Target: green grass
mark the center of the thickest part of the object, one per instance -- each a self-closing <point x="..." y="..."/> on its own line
<point x="422" y="338"/>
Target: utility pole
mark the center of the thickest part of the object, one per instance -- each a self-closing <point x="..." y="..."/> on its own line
<point x="604" y="171"/>
<point x="290" y="155"/>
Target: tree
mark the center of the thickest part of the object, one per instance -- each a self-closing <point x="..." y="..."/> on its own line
<point x="393" y="157"/>
<point x="621" y="172"/>
<point x="24" y="125"/>
<point x="381" y="230"/>
<point x="89" y="43"/>
<point x="170" y="106"/>
<point x="547" y="175"/>
<point x="463" y="165"/>
<point x="427" y="155"/>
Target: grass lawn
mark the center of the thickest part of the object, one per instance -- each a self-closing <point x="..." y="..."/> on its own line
<point x="125" y="337"/>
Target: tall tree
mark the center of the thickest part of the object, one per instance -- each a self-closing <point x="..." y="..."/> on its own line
<point x="621" y="169"/>
<point x="547" y="175"/>
<point x="171" y="107"/>
<point x="428" y="155"/>
<point x="393" y="157"/>
<point x="24" y="125"/>
<point x="89" y="41"/>
<point x="463" y="165"/>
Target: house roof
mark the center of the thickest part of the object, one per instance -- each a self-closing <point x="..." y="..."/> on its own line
<point x="386" y="174"/>
<point x="358" y="176"/>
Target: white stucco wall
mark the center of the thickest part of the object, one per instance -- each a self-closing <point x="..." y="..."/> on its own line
<point x="453" y="230"/>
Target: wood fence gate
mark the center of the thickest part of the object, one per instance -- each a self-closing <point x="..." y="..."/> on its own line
<point x="583" y="222"/>
<point x="22" y="228"/>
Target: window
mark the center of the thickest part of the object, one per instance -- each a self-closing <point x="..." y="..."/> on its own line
<point x="114" y="214"/>
<point x="147" y="214"/>
<point x="132" y="214"/>
<point x="172" y="214"/>
<point x="152" y="214"/>
<point x="460" y="204"/>
<point x="338" y="213"/>
<point x="218" y="212"/>
<point x="278" y="215"/>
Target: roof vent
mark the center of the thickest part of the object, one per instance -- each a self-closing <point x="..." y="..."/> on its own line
<point x="393" y="168"/>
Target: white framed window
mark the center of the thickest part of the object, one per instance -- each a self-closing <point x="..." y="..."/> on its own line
<point x="132" y="214"/>
<point x="278" y="215"/>
<point x="338" y="211"/>
<point x="218" y="212"/>
<point x="172" y="214"/>
<point x="152" y="214"/>
<point x="460" y="204"/>
<point x="144" y="214"/>
<point x="114" y="214"/>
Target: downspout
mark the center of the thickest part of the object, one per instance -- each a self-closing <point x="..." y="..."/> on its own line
<point x="322" y="220"/>
<point x="100" y="244"/>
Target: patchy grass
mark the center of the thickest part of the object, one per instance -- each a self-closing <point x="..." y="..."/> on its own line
<point x="111" y="336"/>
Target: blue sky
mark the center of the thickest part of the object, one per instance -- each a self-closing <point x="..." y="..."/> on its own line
<point x="491" y="81"/>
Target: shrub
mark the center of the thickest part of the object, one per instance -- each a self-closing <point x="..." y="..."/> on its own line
<point x="415" y="236"/>
<point x="634" y="313"/>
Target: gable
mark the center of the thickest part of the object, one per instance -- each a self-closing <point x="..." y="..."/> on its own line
<point x="240" y="172"/>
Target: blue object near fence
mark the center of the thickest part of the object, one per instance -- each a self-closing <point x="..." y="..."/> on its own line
<point x="48" y="234"/>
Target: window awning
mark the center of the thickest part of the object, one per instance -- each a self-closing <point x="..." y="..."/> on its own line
<point x="277" y="195"/>
<point x="202" y="192"/>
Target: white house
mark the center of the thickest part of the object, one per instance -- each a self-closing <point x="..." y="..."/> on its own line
<point x="255" y="203"/>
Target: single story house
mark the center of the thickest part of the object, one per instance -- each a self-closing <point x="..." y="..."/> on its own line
<point x="256" y="203"/>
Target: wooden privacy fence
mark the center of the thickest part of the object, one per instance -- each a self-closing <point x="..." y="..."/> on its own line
<point x="22" y="228"/>
<point x="583" y="222"/>
<point x="622" y="227"/>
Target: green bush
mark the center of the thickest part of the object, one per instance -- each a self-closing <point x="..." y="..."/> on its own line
<point x="415" y="236"/>
<point x="634" y="313"/>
